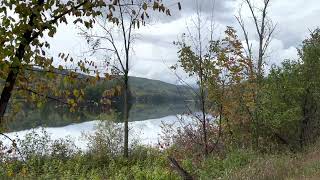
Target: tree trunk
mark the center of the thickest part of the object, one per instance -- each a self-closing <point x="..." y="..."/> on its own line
<point x="126" y="116"/>
<point x="203" y="109"/>
<point x="13" y="74"/>
<point x="14" y="71"/>
<point x="6" y="92"/>
<point x="204" y="127"/>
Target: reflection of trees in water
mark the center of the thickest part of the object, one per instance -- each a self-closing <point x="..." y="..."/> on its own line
<point x="52" y="115"/>
<point x="150" y="111"/>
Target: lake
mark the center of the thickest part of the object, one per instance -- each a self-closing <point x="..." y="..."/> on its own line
<point x="145" y="124"/>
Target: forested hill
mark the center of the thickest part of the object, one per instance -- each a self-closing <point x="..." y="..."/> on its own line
<point x="153" y="89"/>
<point x="143" y="90"/>
<point x="149" y="99"/>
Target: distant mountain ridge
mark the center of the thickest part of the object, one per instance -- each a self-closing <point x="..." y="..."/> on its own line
<point x="143" y="88"/>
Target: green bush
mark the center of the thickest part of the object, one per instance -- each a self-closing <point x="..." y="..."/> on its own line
<point x="59" y="159"/>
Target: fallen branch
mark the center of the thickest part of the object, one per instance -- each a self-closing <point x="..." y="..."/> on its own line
<point x="183" y="173"/>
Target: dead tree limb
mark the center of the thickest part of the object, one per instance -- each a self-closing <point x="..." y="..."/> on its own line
<point x="183" y="173"/>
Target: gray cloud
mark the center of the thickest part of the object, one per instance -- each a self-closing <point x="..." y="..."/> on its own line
<point x="294" y="30"/>
<point x="222" y="9"/>
<point x="154" y="50"/>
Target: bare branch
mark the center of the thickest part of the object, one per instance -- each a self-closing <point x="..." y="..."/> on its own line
<point x="14" y="144"/>
<point x="246" y="35"/>
<point x="254" y="16"/>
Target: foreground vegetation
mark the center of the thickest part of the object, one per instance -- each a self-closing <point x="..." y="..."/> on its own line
<point x="60" y="159"/>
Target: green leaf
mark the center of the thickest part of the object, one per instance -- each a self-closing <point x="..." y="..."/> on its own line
<point x="76" y="93"/>
<point x="144" y="6"/>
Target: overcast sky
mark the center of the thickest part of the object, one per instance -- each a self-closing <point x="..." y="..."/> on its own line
<point x="154" y="51"/>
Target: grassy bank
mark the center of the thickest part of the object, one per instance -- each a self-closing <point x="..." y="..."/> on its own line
<point x="60" y="160"/>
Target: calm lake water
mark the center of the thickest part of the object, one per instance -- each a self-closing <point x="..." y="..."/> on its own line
<point x="145" y="126"/>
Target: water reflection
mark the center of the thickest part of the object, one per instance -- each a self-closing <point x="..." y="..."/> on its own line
<point x="52" y="116"/>
<point x="145" y="121"/>
<point x="148" y="132"/>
